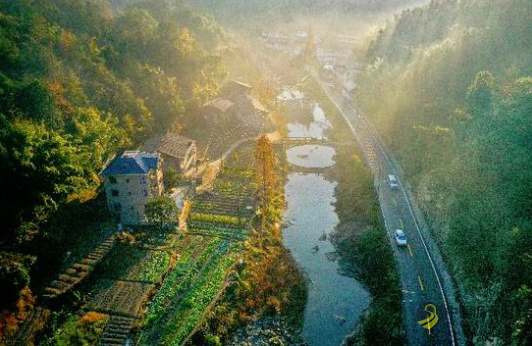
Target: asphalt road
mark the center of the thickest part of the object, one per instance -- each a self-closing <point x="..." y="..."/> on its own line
<point x="423" y="276"/>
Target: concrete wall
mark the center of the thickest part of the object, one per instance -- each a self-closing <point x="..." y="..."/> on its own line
<point x="133" y="191"/>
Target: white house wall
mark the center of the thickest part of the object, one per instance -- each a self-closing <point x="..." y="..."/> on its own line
<point x="133" y="190"/>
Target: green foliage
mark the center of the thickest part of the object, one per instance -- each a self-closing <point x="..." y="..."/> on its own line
<point x="14" y="276"/>
<point x="480" y="93"/>
<point x="40" y="168"/>
<point x="80" y="80"/>
<point x="171" y="179"/>
<point x="457" y="116"/>
<point x="84" y="331"/>
<point x="161" y="210"/>
<point x="99" y="133"/>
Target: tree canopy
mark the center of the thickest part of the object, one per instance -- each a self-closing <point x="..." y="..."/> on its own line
<point x="79" y="80"/>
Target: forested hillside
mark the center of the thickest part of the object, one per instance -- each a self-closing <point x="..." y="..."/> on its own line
<point x="80" y="79"/>
<point x="449" y="86"/>
<point x="238" y="13"/>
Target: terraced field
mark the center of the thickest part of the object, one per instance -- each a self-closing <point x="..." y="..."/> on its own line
<point x="167" y="283"/>
<point x="187" y="291"/>
<point x="219" y="221"/>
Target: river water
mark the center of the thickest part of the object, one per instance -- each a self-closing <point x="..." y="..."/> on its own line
<point x="335" y="302"/>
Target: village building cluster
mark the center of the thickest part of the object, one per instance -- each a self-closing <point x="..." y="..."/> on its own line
<point x="334" y="53"/>
<point x="133" y="177"/>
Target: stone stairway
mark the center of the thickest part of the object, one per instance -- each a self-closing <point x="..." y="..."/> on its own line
<point x="117" y="330"/>
<point x="78" y="271"/>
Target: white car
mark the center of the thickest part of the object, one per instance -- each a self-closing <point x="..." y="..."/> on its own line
<point x="393" y="181"/>
<point x="400" y="237"/>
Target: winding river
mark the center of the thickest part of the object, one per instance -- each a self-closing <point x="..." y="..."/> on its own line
<point x="335" y="302"/>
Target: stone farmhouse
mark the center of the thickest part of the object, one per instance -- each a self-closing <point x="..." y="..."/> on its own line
<point x="178" y="152"/>
<point x="129" y="181"/>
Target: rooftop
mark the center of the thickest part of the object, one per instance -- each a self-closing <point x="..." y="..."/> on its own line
<point x="256" y="104"/>
<point x="220" y="104"/>
<point x="132" y="162"/>
<point x="174" y="145"/>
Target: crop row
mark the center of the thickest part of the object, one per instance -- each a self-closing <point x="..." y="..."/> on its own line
<point x="126" y="262"/>
<point x="238" y="234"/>
<point x="150" y="268"/>
<point x="237" y="195"/>
<point x="222" y="203"/>
<point x="171" y="300"/>
<point x="121" y="297"/>
<point x="225" y="219"/>
<point x="183" y="317"/>
<point x="195" y="253"/>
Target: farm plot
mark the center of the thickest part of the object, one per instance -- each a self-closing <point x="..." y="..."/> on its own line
<point x="132" y="263"/>
<point x="228" y="231"/>
<point x="238" y="201"/>
<point x="123" y="298"/>
<point x="186" y="293"/>
<point x="233" y="191"/>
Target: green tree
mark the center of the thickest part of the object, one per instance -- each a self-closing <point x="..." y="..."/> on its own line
<point x="265" y="176"/>
<point x="14" y="276"/>
<point x="480" y="94"/>
<point x="99" y="133"/>
<point x="161" y="211"/>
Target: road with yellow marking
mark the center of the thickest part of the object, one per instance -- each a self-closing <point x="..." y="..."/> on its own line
<point x="423" y="275"/>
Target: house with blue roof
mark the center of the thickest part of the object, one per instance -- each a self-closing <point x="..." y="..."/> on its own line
<point x="129" y="181"/>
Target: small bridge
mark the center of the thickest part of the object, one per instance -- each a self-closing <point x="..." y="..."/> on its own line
<point x="295" y="141"/>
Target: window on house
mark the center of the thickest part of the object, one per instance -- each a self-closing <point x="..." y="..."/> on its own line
<point x="129" y="193"/>
<point x="112" y="180"/>
<point x="145" y="192"/>
<point x="127" y="180"/>
<point x="143" y="179"/>
<point x="114" y="193"/>
<point x="117" y="207"/>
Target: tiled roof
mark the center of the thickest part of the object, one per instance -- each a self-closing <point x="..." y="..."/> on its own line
<point x="256" y="104"/>
<point x="174" y="145"/>
<point x="221" y="104"/>
<point x="132" y="162"/>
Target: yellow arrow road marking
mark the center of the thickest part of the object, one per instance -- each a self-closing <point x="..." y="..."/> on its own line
<point x="402" y="224"/>
<point x="431" y="320"/>
<point x="394" y="202"/>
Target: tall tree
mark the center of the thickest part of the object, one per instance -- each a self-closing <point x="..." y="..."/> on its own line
<point x="480" y="94"/>
<point x="265" y="162"/>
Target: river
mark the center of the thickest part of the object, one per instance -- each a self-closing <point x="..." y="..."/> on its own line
<point x="335" y="302"/>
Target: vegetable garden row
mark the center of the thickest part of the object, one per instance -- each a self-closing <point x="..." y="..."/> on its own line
<point x="218" y="220"/>
<point x="187" y="291"/>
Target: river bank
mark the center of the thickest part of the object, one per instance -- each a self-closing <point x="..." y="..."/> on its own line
<point x="359" y="236"/>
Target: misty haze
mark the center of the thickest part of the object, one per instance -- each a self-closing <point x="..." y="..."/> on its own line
<point x="265" y="172"/>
